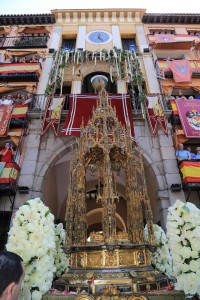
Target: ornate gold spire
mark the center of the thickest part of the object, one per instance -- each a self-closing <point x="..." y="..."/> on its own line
<point x="105" y="147"/>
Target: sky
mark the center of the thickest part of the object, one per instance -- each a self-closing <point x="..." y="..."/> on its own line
<point x="45" y="6"/>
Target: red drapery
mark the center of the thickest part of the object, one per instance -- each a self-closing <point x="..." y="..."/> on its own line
<point x="81" y="106"/>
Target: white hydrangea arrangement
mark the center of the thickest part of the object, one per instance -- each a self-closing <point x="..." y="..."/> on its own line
<point x="183" y="231"/>
<point x="161" y="259"/>
<point x="61" y="261"/>
<point x="32" y="236"/>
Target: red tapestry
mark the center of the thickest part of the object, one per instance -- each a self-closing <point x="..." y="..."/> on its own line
<point x="189" y="113"/>
<point x="5" y="116"/>
<point x="156" y="114"/>
<point x="53" y="114"/>
<point x="81" y="106"/>
<point x="181" y="70"/>
<point x="164" y="38"/>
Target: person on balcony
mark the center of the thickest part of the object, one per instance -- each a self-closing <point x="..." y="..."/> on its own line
<point x="180" y="95"/>
<point x="2" y="99"/>
<point x="7" y="101"/>
<point x="22" y="60"/>
<point x="7" y="153"/>
<point x="192" y="155"/>
<point x="34" y="59"/>
<point x="9" y="59"/>
<point x="2" y="58"/>
<point x="18" y="99"/>
<point x="28" y="99"/>
<point x="197" y="156"/>
<point x="182" y="154"/>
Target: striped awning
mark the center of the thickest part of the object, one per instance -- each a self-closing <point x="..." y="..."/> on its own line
<point x="190" y="171"/>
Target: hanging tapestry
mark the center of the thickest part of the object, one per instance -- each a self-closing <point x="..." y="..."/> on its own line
<point x="181" y="70"/>
<point x="5" y="116"/>
<point x="81" y="106"/>
<point x="189" y="114"/>
<point x="156" y="114"/>
<point x="53" y="115"/>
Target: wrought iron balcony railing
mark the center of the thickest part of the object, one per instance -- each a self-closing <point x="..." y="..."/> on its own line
<point x="19" y="42"/>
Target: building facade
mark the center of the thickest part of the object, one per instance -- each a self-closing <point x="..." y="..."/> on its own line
<point x="83" y="44"/>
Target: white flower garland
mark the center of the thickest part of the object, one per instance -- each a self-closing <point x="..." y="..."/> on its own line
<point x="161" y="259"/>
<point x="61" y="261"/>
<point x="183" y="231"/>
<point x="32" y="236"/>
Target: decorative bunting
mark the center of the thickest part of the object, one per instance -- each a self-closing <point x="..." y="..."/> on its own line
<point x="5" y="116"/>
<point x="181" y="70"/>
<point x="53" y="115"/>
<point x="156" y="114"/>
<point x="81" y="107"/>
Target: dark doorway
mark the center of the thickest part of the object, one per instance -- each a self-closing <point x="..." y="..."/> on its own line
<point x="87" y="86"/>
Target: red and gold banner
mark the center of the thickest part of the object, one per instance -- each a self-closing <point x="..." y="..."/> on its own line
<point x="189" y="113"/>
<point x="156" y="114"/>
<point x="174" y="107"/>
<point x="5" y="116"/>
<point x="81" y="106"/>
<point x="190" y="171"/>
<point x="53" y="115"/>
<point x="20" y="68"/>
<point x="10" y="173"/>
<point x="181" y="70"/>
<point x="19" y="111"/>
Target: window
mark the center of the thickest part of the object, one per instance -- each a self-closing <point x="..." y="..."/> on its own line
<point x="129" y="44"/>
<point x="69" y="44"/>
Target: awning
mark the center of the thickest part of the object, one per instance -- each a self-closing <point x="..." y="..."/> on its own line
<point x="169" y="83"/>
<point x="29" y="86"/>
<point x="190" y="171"/>
<point x="20" y="52"/>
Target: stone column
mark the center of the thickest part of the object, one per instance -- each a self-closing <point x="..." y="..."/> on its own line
<point x="116" y="37"/>
<point x="27" y="173"/>
<point x="80" y="42"/>
<point x="46" y="67"/>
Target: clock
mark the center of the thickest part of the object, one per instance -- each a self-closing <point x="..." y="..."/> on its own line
<point x="98" y="37"/>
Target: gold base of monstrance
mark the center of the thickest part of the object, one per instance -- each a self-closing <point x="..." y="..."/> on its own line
<point x="109" y="262"/>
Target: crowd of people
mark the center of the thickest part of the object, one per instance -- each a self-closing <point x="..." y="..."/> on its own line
<point x="9" y="59"/>
<point x="16" y="99"/>
<point x="187" y="154"/>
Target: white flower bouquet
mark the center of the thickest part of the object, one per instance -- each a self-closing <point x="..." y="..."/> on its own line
<point x="61" y="260"/>
<point x="183" y="231"/>
<point x="161" y="259"/>
<point x="32" y="236"/>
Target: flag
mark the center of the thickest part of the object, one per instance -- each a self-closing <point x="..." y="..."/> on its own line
<point x="181" y="70"/>
<point x="164" y="38"/>
<point x="190" y="171"/>
<point x="156" y="114"/>
<point x="53" y="115"/>
<point x="81" y="106"/>
<point x="5" y="116"/>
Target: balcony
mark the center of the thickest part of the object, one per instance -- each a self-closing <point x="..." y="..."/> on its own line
<point x="20" y="72"/>
<point x="21" y="42"/>
<point x="173" y="41"/>
<point x="164" y="71"/>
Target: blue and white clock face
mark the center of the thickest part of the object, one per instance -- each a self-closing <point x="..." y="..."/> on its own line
<point x="98" y="37"/>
